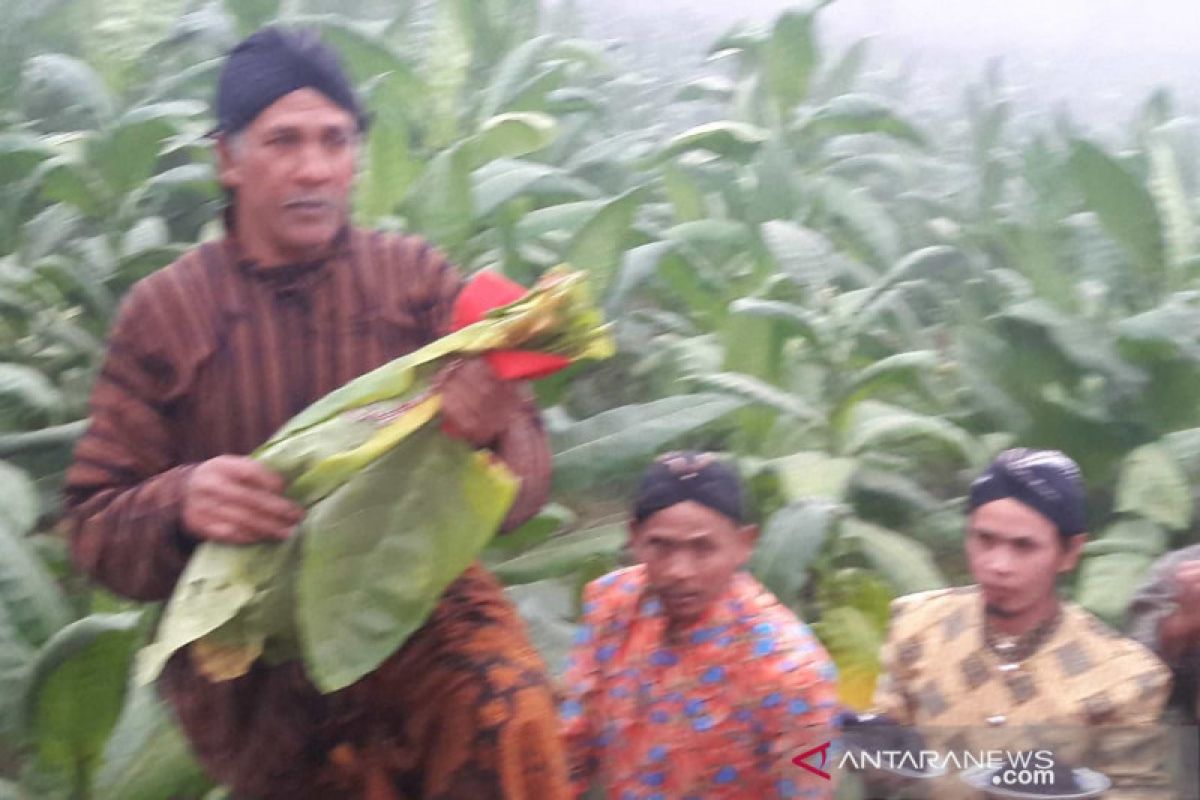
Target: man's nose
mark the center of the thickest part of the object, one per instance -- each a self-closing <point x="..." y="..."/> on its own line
<point x="315" y="165"/>
<point x="679" y="566"/>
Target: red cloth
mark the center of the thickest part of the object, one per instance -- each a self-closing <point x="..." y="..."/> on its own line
<point x="486" y="291"/>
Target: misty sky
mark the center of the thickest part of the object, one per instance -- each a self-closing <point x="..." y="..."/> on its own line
<point x="1105" y="54"/>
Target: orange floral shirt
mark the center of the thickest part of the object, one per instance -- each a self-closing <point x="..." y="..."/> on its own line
<point x="718" y="715"/>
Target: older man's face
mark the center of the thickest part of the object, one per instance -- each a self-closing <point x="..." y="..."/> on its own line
<point x="292" y="169"/>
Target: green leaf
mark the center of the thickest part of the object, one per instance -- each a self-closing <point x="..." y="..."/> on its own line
<point x="563" y="555"/>
<point x="547" y="610"/>
<point x="790" y="319"/>
<point x="27" y="398"/>
<point x="858" y="114"/>
<point x="1124" y="206"/>
<point x="63" y="92"/>
<point x="391" y="167"/>
<point x="503" y="180"/>
<point x="147" y="235"/>
<point x="250" y="15"/>
<point x="549" y="521"/>
<point x="869" y="598"/>
<point x="126" y="154"/>
<point x="61" y="180"/>
<point x="512" y="136"/>
<point x="1170" y="331"/>
<point x="441" y="199"/>
<point x="685" y="195"/>
<point x="788" y="546"/>
<point x="905" y="563"/>
<point x="1153" y="486"/>
<point x="598" y="246"/>
<point x="874" y="426"/>
<point x="866" y="222"/>
<point x="903" y="371"/>
<point x="1107" y="583"/>
<point x="147" y="757"/>
<point x="16" y="654"/>
<point x="713" y="88"/>
<point x="19" y="504"/>
<point x="638" y="266"/>
<point x="29" y="599"/>
<point x="791" y="58"/>
<point x="1129" y="535"/>
<point x="843" y="75"/>
<point x="561" y="221"/>
<point x="511" y="76"/>
<point x="804" y="255"/>
<point x="897" y="500"/>
<point x="760" y="393"/>
<point x="379" y="551"/>
<point x="738" y="141"/>
<point x="447" y="67"/>
<point x="813" y="474"/>
<point x="617" y="439"/>
<point x="20" y="155"/>
<point x="77" y="689"/>
<point x="1173" y="205"/>
<point x="1081" y="345"/>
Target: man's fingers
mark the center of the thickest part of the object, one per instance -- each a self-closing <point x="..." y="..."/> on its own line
<point x="233" y="524"/>
<point x="252" y="501"/>
<point x="248" y="472"/>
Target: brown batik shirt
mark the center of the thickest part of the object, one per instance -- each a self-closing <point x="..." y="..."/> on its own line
<point x="210" y="356"/>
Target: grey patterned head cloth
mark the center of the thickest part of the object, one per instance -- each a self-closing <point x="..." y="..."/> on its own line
<point x="1045" y="480"/>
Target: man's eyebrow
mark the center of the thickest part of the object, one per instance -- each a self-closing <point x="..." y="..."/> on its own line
<point x="1017" y="537"/>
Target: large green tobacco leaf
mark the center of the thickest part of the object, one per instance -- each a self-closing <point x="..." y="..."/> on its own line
<point x="379" y="551"/>
<point x="789" y="543"/>
<point x="600" y="445"/>
<point x="563" y="555"/>
<point x="598" y="246"/>
<point x="29" y="598"/>
<point x="147" y="757"/>
<point x="735" y="140"/>
<point x="19" y="505"/>
<point x="1124" y="207"/>
<point x="76" y="691"/>
<point x="903" y="562"/>
<point x="1154" y="486"/>
<point x="857" y="113"/>
<point x="791" y="58"/>
<point x="1115" y="566"/>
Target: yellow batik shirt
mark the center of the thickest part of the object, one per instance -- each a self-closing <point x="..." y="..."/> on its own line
<point x="1079" y="688"/>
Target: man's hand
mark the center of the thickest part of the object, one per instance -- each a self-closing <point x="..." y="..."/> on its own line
<point x="476" y="405"/>
<point x="237" y="500"/>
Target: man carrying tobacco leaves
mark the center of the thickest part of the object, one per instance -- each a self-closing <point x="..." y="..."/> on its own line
<point x="211" y="356"/>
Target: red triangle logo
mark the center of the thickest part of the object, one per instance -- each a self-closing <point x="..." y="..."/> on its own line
<point x="802" y="760"/>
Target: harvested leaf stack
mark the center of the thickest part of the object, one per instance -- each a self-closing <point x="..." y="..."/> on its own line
<point x="397" y="509"/>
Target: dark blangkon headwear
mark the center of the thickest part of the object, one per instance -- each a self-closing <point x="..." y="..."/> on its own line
<point x="680" y="476"/>
<point x="273" y="62"/>
<point x="1045" y="480"/>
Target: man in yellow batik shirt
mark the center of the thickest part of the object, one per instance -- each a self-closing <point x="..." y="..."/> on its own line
<point x="1005" y="664"/>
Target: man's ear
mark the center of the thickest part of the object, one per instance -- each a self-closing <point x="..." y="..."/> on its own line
<point x="634" y="540"/>
<point x="1073" y="550"/>
<point x="228" y="172"/>
<point x="749" y="534"/>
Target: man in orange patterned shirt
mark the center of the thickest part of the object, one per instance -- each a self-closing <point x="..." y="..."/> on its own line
<point x="688" y="678"/>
